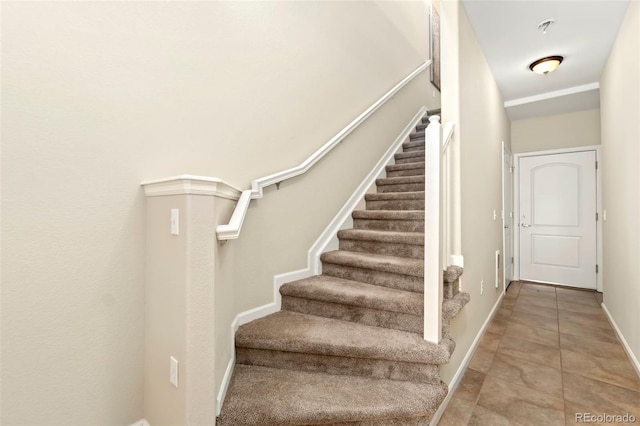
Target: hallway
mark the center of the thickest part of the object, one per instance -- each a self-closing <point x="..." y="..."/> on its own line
<point x="548" y="354"/>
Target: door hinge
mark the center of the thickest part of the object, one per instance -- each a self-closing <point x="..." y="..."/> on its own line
<point x="596" y="165"/>
<point x="596" y="216"/>
<point x="511" y="169"/>
<point x="596" y="269"/>
<point x="511" y="259"/>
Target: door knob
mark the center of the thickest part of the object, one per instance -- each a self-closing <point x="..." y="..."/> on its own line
<point x="525" y="225"/>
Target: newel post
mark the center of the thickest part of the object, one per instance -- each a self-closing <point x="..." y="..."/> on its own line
<point x="433" y="233"/>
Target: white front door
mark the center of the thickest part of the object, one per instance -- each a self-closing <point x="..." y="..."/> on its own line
<point x="507" y="214"/>
<point x="558" y="219"/>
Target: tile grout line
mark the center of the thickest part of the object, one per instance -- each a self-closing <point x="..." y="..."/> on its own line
<point x="564" y="401"/>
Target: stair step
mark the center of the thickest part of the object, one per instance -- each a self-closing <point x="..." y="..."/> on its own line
<point x="389" y="243"/>
<point x="268" y="396"/>
<point x="409" y="157"/>
<point x="390" y="220"/>
<point x="296" y="341"/>
<point x="406" y="169"/>
<point x="414" y="145"/>
<point x="401" y="184"/>
<point x="417" y="135"/>
<point x="354" y="301"/>
<point x="413" y="200"/>
<point x="387" y="271"/>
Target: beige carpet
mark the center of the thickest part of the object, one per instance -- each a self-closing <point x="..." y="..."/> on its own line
<point x="347" y="347"/>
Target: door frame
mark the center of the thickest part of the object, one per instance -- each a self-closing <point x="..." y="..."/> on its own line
<point x="516" y="207"/>
<point x="507" y="152"/>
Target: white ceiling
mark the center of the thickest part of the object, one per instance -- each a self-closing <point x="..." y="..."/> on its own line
<point x="583" y="32"/>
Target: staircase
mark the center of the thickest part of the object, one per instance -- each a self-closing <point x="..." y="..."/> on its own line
<point x="347" y="346"/>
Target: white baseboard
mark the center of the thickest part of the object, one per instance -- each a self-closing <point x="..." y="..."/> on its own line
<point x="142" y="422"/>
<point x="632" y="357"/>
<point x="326" y="241"/>
<point x="455" y="381"/>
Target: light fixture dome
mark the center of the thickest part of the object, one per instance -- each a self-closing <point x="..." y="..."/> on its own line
<point x="546" y="65"/>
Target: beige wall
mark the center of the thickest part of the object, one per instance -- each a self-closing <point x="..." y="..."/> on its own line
<point x="575" y="129"/>
<point x="620" y="105"/>
<point x="481" y="126"/>
<point x="99" y="96"/>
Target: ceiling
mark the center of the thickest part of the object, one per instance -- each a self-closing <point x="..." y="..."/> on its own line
<point x="583" y="32"/>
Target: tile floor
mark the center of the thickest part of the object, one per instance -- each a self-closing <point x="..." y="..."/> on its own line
<point x="548" y="354"/>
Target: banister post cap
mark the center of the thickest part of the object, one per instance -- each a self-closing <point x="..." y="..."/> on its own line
<point x="434" y="119"/>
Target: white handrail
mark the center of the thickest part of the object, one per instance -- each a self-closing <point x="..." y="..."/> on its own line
<point x="232" y="229"/>
<point x="447" y="132"/>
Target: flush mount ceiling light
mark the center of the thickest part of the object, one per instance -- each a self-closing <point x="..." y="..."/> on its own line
<point x="546" y="65"/>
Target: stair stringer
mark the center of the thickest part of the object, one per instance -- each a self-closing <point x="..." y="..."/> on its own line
<point x="327" y="241"/>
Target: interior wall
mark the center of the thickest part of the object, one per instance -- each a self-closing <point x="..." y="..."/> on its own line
<point x="476" y="106"/>
<point x="620" y="106"/>
<point x="571" y="130"/>
<point x="100" y="96"/>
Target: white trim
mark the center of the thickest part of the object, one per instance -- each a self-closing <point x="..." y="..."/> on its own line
<point x="142" y="422"/>
<point x="190" y="184"/>
<point x="516" y="206"/>
<point x="456" y="260"/>
<point x="232" y="229"/>
<point x="632" y="357"/>
<point x="506" y="152"/>
<point x="455" y="380"/>
<point x="555" y="94"/>
<point x="325" y="240"/>
<point x="435" y="246"/>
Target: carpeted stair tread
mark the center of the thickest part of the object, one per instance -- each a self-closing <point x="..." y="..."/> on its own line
<point x="267" y="396"/>
<point x="420" y="134"/>
<point x="405" y="166"/>
<point x="376" y="262"/>
<point x="390" y="196"/>
<point x="389" y="220"/>
<point x="414" y="145"/>
<point x="400" y="180"/>
<point x="294" y="332"/>
<point x="452" y="273"/>
<point x="389" y="214"/>
<point x="451" y="307"/>
<point x="355" y="293"/>
<point x="418" y="155"/>
<point x="412" y="238"/>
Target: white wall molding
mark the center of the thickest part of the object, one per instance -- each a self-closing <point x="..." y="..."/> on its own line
<point x="327" y="241"/>
<point x="632" y="357"/>
<point x="554" y="94"/>
<point x="455" y="380"/>
<point x="190" y="184"/>
<point x="232" y="229"/>
<point x="142" y="422"/>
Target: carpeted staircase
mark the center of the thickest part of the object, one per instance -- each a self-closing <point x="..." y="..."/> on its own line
<point x="347" y="346"/>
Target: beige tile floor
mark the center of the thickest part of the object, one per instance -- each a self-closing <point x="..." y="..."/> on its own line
<point x="548" y="354"/>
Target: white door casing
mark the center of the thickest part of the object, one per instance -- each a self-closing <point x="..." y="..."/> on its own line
<point x="557" y="218"/>
<point x="507" y="215"/>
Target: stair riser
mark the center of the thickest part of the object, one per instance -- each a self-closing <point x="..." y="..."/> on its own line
<point x="409" y="172"/>
<point x="349" y="366"/>
<point x="396" y="205"/>
<point x="384" y="248"/>
<point x="390" y="225"/>
<point x="422" y="126"/>
<point x="357" y="314"/>
<point x="385" y="279"/>
<point x="405" y="187"/>
<point x="417" y="135"/>
<point x="417" y="159"/>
